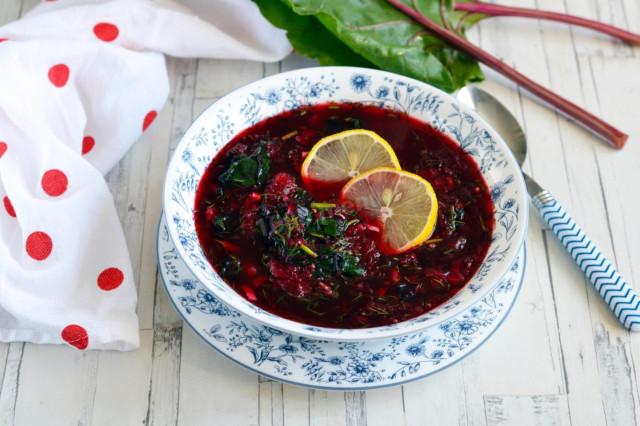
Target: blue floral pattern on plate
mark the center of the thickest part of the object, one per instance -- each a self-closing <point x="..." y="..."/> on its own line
<point x="325" y="364"/>
<point x="273" y="95"/>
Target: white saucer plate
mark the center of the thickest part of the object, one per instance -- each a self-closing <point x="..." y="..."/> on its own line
<point x="332" y="365"/>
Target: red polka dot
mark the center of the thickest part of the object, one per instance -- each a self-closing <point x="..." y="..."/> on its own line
<point x="39" y="245"/>
<point x="105" y="31"/>
<point x="76" y="336"/>
<point x="148" y="119"/>
<point x="110" y="279"/>
<point x="3" y="148"/>
<point x="87" y="144"/>
<point x="59" y="75"/>
<point x="9" y="207"/>
<point x="54" y="182"/>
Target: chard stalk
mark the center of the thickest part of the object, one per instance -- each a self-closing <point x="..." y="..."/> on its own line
<point x="606" y="131"/>
<point x="478" y="7"/>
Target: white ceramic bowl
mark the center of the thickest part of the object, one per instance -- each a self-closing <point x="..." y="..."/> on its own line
<point x="246" y="106"/>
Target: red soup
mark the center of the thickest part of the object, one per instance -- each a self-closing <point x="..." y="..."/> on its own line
<point x="305" y="257"/>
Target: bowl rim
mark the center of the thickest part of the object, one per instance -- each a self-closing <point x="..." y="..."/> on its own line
<point x="336" y="334"/>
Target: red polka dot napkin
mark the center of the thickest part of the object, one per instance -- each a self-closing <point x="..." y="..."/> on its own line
<point x="79" y="83"/>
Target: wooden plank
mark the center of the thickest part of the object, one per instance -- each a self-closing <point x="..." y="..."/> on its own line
<point x="123" y="384"/>
<point x="200" y="104"/>
<point x="216" y="77"/>
<point x="632" y="13"/>
<point x="327" y="408"/>
<point x="10" y="11"/>
<point x="385" y="406"/>
<point x="162" y="407"/>
<point x="271" y="404"/>
<point x="296" y="61"/>
<point x="39" y="383"/>
<point x="4" y="353"/>
<point x="527" y="410"/>
<point x="27" y="5"/>
<point x="183" y="73"/>
<point x="423" y="400"/>
<point x="214" y="390"/>
<point x="12" y="360"/>
<point x="266" y="408"/>
<point x="618" y="352"/>
<point x="619" y="398"/>
<point x="619" y="395"/>
<point x="165" y="361"/>
<point x="272" y="68"/>
<point x="580" y="363"/>
<point x="356" y="405"/>
<point x="295" y="401"/>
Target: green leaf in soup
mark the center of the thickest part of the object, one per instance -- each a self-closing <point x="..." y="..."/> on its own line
<point x="391" y="41"/>
<point x="261" y="156"/>
<point x="241" y="172"/>
<point x="350" y="265"/>
<point x="325" y="226"/>
<point x="309" y="37"/>
<point x="247" y="170"/>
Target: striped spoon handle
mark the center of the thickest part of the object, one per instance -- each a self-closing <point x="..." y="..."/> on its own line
<point x="619" y="295"/>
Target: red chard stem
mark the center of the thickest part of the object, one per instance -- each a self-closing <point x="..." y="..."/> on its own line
<point x="498" y="10"/>
<point x="606" y="131"/>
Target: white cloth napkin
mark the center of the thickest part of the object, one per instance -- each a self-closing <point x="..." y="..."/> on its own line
<point x="79" y="82"/>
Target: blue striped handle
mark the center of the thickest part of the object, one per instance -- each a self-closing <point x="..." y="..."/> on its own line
<point x="619" y="295"/>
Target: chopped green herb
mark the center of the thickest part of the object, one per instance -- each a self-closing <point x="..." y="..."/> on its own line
<point x="231" y="267"/>
<point x="322" y="205"/>
<point x="433" y="241"/>
<point x="222" y="225"/>
<point x="455" y="218"/>
<point x="308" y="251"/>
<point x="289" y="135"/>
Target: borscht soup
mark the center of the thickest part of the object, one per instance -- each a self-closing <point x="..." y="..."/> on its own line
<point x="297" y="252"/>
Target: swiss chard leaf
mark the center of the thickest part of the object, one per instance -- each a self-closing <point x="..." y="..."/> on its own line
<point x="325" y="226"/>
<point x="309" y="37"/>
<point x="387" y="38"/>
<point x="246" y="170"/>
<point x="350" y="265"/>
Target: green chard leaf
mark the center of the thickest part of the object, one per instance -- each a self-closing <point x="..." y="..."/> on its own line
<point x="322" y="227"/>
<point x="384" y="36"/>
<point x="350" y="265"/>
<point x="309" y="37"/>
<point x="247" y="170"/>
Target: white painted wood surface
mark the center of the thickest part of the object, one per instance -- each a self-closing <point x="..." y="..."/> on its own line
<point x="560" y="358"/>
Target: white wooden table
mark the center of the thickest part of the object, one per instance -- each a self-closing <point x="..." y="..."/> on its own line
<point x="560" y="357"/>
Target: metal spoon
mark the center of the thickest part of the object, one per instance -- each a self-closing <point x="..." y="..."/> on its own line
<point x="619" y="295"/>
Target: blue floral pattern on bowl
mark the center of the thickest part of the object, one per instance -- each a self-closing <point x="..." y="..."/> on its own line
<point x="326" y="364"/>
<point x="272" y="95"/>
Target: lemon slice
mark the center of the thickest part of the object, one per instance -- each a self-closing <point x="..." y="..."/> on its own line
<point x="402" y="204"/>
<point x="345" y="155"/>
